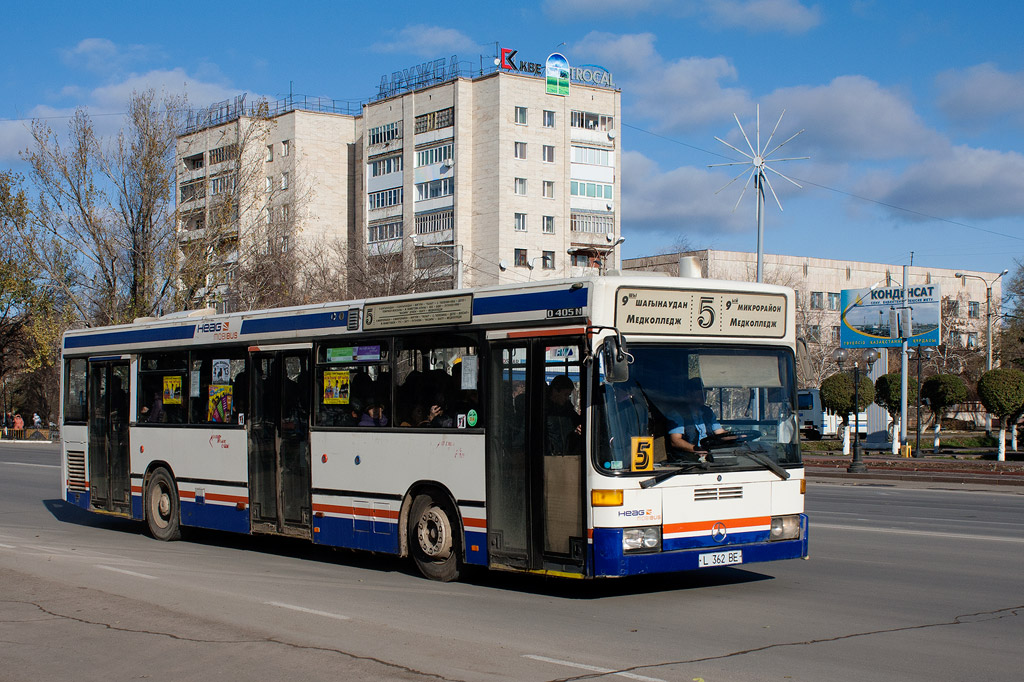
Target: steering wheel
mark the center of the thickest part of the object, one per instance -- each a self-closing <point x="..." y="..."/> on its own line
<point x="722" y="440"/>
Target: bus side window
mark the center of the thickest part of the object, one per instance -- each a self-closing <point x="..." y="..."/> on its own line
<point x="163" y="388"/>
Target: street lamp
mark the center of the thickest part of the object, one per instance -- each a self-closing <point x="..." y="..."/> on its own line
<point x="840" y="356"/>
<point x="457" y="258"/>
<point x="988" y="329"/>
<point x="925" y="351"/>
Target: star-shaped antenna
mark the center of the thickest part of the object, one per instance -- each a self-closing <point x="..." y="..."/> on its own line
<point x="757" y="161"/>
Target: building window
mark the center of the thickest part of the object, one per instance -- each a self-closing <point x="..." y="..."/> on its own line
<point x="521" y="260"/>
<point x="521" y="186"/>
<point x="548" y="224"/>
<point x="284" y="181"/>
<point x="595" y="223"/>
<point x="286" y="212"/>
<point x="835" y="334"/>
<point x="436" y="221"/>
<point x="222" y="183"/>
<point x="385" y="133"/>
<point x="193" y="190"/>
<point x="384" y="231"/>
<point x="434" y="189"/>
<point x="817" y="300"/>
<point x="548" y="155"/>
<point x="434" y="155"/>
<point x="813" y="333"/>
<point x="549" y="189"/>
<point x="974" y="309"/>
<point x="269" y="184"/>
<point x="548" y="260"/>
<point x="388" y="197"/>
<point x="521" y="115"/>
<point x="954" y="308"/>
<point x="388" y="164"/>
<point x="796" y="298"/>
<point x="443" y="118"/>
<point x="580" y="260"/>
<point x="833" y="301"/>
<point x="193" y="162"/>
<point x="592" y="190"/>
<point x="592" y="156"/>
<point x="221" y="154"/>
<point x="520" y="150"/>
<point x="285" y="147"/>
<point x="591" y="121"/>
<point x="270" y="152"/>
<point x="549" y="119"/>
<point x="520" y="222"/>
<point x="972" y="339"/>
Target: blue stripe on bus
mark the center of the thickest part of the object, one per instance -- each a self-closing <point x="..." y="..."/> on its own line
<point x="289" y="323"/>
<point x="378" y="536"/>
<point x="131" y="336"/>
<point x="542" y="300"/>
<point x="704" y="541"/>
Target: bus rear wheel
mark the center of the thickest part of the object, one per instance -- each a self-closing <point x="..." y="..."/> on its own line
<point x="433" y="539"/>
<point x="162" y="507"/>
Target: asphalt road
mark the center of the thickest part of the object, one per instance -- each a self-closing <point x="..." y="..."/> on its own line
<point x="902" y="584"/>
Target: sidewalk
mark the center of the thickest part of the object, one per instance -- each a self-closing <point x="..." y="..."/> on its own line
<point x="968" y="467"/>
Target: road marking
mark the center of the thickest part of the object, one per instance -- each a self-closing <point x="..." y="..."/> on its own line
<point x="7" y="546"/>
<point x="126" y="572"/>
<point x="591" y="668"/>
<point x="29" y="464"/>
<point x="314" y="612"/>
<point x="927" y="533"/>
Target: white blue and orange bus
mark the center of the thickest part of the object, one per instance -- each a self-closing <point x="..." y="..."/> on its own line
<point x="518" y="427"/>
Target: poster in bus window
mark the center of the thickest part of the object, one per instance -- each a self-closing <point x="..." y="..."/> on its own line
<point x="221" y="372"/>
<point x="219" y="408"/>
<point x="172" y="390"/>
<point x="336" y="387"/>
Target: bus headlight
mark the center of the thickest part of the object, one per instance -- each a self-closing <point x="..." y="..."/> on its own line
<point x="647" y="539"/>
<point x="785" y="528"/>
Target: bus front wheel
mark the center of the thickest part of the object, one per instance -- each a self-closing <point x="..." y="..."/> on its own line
<point x="433" y="539"/>
<point x="162" y="509"/>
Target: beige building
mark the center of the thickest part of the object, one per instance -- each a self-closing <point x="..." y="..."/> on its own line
<point x="819" y="283"/>
<point x="487" y="172"/>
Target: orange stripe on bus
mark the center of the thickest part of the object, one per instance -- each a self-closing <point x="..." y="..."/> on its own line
<point x="475" y="523"/>
<point x="708" y="525"/>
<point x="546" y="332"/>
<point x="353" y="511"/>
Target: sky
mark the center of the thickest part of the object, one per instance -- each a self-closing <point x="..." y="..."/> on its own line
<point x="912" y="114"/>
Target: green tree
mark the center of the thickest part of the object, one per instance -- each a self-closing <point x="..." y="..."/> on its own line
<point x="837" y="394"/>
<point x="942" y="391"/>
<point x="1002" y="393"/>
<point x="889" y="396"/>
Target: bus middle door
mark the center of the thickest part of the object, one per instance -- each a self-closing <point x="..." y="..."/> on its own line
<point x="279" y="455"/>
<point x="109" y="482"/>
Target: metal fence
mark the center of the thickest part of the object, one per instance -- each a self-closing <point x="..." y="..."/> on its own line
<point x="51" y="433"/>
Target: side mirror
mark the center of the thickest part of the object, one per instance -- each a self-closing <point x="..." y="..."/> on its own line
<point x="616" y="360"/>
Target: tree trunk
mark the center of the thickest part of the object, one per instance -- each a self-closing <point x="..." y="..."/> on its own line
<point x="937" y="442"/>
<point x="895" y="437"/>
<point x="1002" y="441"/>
<point x="846" y="439"/>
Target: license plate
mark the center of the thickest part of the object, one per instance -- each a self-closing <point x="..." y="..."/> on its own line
<point x="720" y="558"/>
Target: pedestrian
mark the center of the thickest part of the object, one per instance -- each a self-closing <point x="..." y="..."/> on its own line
<point x="37" y="422"/>
<point x="19" y="424"/>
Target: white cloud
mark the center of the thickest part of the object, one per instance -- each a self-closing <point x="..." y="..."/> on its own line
<point x="966" y="183"/>
<point x="427" y="41"/>
<point x="103" y="56"/>
<point x="851" y="118"/>
<point x="761" y="16"/>
<point x="681" y="95"/>
<point x="682" y="198"/>
<point x="981" y="95"/>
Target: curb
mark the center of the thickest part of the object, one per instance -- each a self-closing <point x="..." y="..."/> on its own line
<point x="909" y="476"/>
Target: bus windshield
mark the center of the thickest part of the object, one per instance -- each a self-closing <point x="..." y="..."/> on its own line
<point x="706" y="408"/>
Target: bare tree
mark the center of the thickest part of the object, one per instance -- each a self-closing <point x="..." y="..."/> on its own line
<point x="335" y="269"/>
<point x="102" y="226"/>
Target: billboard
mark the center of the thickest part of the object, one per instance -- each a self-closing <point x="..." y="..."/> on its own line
<point x="877" y="317"/>
<point x="556" y="72"/>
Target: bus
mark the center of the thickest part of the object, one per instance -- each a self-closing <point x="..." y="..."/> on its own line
<point x="521" y="427"/>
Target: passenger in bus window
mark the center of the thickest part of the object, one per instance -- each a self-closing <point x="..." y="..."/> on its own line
<point x="564" y="425"/>
<point x="155" y="413"/>
<point x="691" y="424"/>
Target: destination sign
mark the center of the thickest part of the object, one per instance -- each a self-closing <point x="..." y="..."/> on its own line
<point x="422" y="312"/>
<point x="700" y="313"/>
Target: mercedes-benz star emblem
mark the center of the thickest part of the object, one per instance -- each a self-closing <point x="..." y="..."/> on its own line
<point x="718" y="532"/>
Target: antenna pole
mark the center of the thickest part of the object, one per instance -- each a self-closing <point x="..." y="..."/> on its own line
<point x="760" y="227"/>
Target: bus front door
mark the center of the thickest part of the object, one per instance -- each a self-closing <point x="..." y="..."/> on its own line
<point x="109" y="482"/>
<point x="279" y="465"/>
<point x="534" y="463"/>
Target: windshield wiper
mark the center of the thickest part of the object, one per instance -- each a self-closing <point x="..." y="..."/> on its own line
<point x="767" y="463"/>
<point x="665" y="475"/>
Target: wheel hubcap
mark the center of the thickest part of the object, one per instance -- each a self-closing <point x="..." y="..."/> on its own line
<point x="434" y="536"/>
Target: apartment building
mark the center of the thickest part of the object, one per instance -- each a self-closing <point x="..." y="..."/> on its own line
<point x="467" y="177"/>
